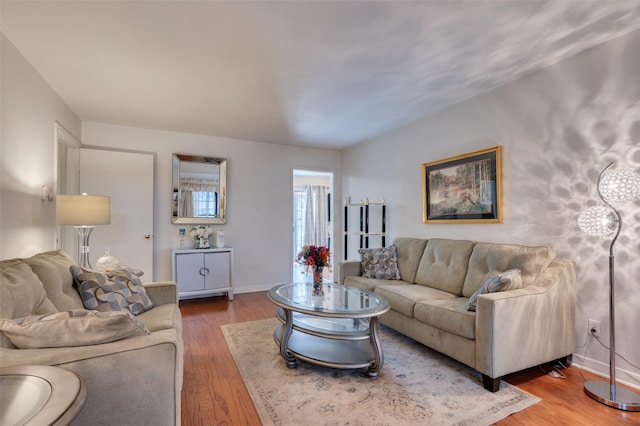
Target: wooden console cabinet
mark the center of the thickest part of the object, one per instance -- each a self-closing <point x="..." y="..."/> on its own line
<point x="202" y="272"/>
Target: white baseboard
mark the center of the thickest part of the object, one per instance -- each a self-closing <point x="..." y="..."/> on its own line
<point x="601" y="369"/>
<point x="253" y="289"/>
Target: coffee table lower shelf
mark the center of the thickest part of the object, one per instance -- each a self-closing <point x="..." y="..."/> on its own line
<point x="328" y="352"/>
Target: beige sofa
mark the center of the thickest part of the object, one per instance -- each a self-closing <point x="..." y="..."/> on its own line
<point x="134" y="380"/>
<point x="509" y="331"/>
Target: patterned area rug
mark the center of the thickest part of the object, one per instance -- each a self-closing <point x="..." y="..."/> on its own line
<point x="416" y="386"/>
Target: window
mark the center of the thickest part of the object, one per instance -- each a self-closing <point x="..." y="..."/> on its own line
<point x="205" y="204"/>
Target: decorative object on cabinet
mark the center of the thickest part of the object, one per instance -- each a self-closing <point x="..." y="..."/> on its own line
<point x="201" y="236"/>
<point x="618" y="185"/>
<point x="364" y="223"/>
<point x="463" y="189"/>
<point x="84" y="212"/>
<point x="199" y="189"/>
<point x="203" y="272"/>
<point x="219" y="239"/>
<point x="181" y="232"/>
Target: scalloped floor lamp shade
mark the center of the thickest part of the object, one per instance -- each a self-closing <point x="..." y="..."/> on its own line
<point x="617" y="185"/>
<point x="83" y="212"/>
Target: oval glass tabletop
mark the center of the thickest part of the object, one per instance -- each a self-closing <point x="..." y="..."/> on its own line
<point x="338" y="300"/>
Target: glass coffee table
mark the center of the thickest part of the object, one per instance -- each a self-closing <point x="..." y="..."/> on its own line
<point x="338" y="329"/>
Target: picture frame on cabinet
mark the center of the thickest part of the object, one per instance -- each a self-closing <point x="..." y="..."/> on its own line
<point x="463" y="189"/>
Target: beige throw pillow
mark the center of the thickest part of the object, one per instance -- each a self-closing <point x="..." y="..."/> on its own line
<point x="79" y="327"/>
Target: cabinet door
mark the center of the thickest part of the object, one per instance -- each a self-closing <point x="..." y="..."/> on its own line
<point x="189" y="272"/>
<point x="218" y="265"/>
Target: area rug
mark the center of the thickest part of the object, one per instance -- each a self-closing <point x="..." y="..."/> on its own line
<point x="416" y="386"/>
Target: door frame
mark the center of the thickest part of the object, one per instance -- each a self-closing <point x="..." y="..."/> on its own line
<point x="67" y="161"/>
<point x="296" y="174"/>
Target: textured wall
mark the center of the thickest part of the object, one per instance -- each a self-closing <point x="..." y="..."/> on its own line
<point x="558" y="129"/>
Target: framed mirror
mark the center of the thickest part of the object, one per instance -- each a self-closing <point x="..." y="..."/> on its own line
<point x="199" y="189"/>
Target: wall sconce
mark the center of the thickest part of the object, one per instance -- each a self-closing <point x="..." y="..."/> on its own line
<point x="84" y="212"/>
<point x="46" y="194"/>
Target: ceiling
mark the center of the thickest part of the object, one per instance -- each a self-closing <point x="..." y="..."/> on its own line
<point x="323" y="74"/>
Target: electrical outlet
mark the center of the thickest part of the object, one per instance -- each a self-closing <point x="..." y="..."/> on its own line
<point x="594" y="327"/>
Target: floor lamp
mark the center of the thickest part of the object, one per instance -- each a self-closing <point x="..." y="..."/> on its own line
<point x="84" y="212"/>
<point x="619" y="185"/>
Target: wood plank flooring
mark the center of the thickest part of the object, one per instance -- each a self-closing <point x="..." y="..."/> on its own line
<point x="213" y="392"/>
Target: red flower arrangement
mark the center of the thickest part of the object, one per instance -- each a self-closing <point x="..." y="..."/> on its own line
<point x="313" y="256"/>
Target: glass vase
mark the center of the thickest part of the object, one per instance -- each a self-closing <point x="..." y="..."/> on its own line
<point x="318" y="290"/>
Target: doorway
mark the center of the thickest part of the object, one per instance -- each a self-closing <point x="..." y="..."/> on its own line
<point x="67" y="183"/>
<point x="312" y="216"/>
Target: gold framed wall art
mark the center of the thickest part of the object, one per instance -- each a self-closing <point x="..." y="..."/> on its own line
<point x="463" y="189"/>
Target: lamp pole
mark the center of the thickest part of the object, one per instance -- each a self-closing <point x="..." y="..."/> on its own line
<point x="610" y="394"/>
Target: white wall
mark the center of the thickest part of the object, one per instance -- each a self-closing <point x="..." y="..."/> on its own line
<point x="259" y="196"/>
<point x="558" y="129"/>
<point x="28" y="151"/>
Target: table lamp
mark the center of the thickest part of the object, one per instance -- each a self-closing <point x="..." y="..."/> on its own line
<point x="618" y="185"/>
<point x="84" y="212"/>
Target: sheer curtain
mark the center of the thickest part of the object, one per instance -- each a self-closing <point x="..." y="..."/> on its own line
<point x="188" y="186"/>
<point x="316" y="230"/>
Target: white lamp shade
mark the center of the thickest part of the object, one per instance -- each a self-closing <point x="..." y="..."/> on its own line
<point x="83" y="210"/>
<point x="620" y="185"/>
<point x="598" y="221"/>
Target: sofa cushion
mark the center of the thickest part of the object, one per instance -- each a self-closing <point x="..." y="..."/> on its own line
<point x="508" y="280"/>
<point x="21" y="291"/>
<point x="409" y="255"/>
<point x="116" y="292"/>
<point x="489" y="260"/>
<point x="449" y="315"/>
<point x="53" y="269"/>
<point x="444" y="264"/>
<point x="369" y="284"/>
<point x="79" y="327"/>
<point x="380" y="263"/>
<point x="403" y="298"/>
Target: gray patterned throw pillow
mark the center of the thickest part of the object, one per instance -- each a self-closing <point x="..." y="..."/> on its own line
<point x="380" y="263"/>
<point x="116" y="291"/>
<point x="508" y="280"/>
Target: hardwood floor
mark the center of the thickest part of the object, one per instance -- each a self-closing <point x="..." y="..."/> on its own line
<point x="213" y="392"/>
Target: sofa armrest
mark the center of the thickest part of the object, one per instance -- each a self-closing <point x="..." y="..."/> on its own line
<point x="522" y="328"/>
<point x="135" y="378"/>
<point x="349" y="268"/>
<point x="162" y="292"/>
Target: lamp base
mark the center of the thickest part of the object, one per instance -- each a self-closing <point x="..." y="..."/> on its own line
<point x="612" y="395"/>
<point x="84" y="232"/>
